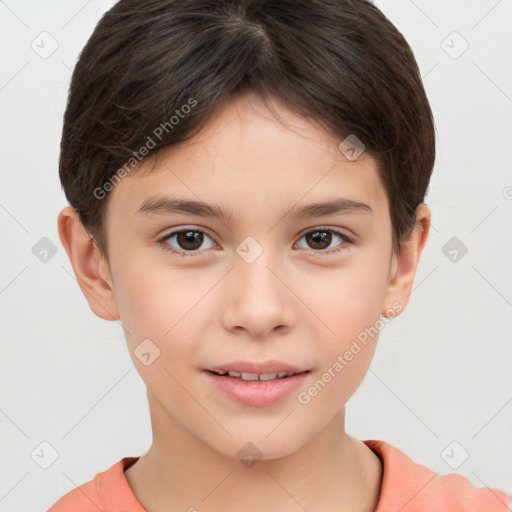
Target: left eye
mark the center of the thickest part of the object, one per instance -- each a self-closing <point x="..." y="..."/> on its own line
<point x="318" y="238"/>
<point x="190" y="240"/>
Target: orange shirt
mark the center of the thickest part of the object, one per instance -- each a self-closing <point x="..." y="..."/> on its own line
<point x="406" y="487"/>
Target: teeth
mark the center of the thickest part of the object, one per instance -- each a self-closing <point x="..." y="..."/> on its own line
<point x="249" y="376"/>
<point x="267" y="376"/>
<point x="255" y="376"/>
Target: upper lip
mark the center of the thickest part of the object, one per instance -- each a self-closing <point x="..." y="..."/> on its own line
<point x="265" y="367"/>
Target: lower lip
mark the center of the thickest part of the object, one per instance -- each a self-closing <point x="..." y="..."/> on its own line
<point x="256" y="393"/>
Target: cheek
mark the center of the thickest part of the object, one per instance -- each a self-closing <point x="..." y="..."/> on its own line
<point x="344" y="356"/>
<point x="146" y="294"/>
<point x="347" y="299"/>
<point x="157" y="317"/>
<point x="348" y="306"/>
<point x="160" y="304"/>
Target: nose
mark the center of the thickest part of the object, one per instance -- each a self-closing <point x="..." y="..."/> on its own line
<point x="257" y="299"/>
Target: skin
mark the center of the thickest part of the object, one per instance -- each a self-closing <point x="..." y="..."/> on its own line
<point x="292" y="304"/>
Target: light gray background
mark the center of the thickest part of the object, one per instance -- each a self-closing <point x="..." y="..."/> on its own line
<point x="442" y="370"/>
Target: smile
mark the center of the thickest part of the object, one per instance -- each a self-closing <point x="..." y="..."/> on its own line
<point x="254" y="376"/>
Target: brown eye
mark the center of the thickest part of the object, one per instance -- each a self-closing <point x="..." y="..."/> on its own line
<point x="320" y="239"/>
<point x="185" y="241"/>
<point x="189" y="240"/>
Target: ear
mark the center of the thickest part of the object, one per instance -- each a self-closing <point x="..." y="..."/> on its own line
<point x="405" y="263"/>
<point x="90" y="267"/>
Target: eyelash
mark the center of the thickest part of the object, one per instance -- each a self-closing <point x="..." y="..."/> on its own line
<point x="346" y="240"/>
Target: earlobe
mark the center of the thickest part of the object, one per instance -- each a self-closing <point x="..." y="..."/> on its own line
<point x="407" y="260"/>
<point x="89" y="266"/>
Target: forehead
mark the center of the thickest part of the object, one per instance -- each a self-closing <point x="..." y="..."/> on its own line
<point x="246" y="158"/>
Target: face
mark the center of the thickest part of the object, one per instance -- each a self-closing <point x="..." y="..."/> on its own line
<point x="261" y="283"/>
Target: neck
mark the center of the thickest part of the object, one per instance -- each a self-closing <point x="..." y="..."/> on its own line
<point x="332" y="472"/>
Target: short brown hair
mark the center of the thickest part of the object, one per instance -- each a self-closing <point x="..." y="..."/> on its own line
<point x="339" y="63"/>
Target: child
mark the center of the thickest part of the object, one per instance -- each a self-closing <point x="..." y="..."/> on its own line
<point x="295" y="139"/>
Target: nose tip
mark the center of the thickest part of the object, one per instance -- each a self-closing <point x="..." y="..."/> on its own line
<point x="260" y="302"/>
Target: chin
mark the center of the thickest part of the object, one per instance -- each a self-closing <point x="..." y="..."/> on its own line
<point x="250" y="449"/>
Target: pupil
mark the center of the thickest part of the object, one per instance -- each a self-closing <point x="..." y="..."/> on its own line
<point x="189" y="239"/>
<point x="319" y="238"/>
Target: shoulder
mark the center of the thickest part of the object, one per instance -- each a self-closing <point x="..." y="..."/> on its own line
<point x="108" y="488"/>
<point x="412" y="487"/>
<point x="84" y="498"/>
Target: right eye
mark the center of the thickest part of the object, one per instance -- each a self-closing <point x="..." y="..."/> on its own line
<point x="189" y="240"/>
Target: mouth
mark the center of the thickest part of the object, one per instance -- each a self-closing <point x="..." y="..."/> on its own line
<point x="249" y="376"/>
<point x="256" y="384"/>
<point x="254" y="371"/>
<point x="255" y="389"/>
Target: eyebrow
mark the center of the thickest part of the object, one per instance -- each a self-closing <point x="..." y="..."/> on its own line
<point x="164" y="205"/>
